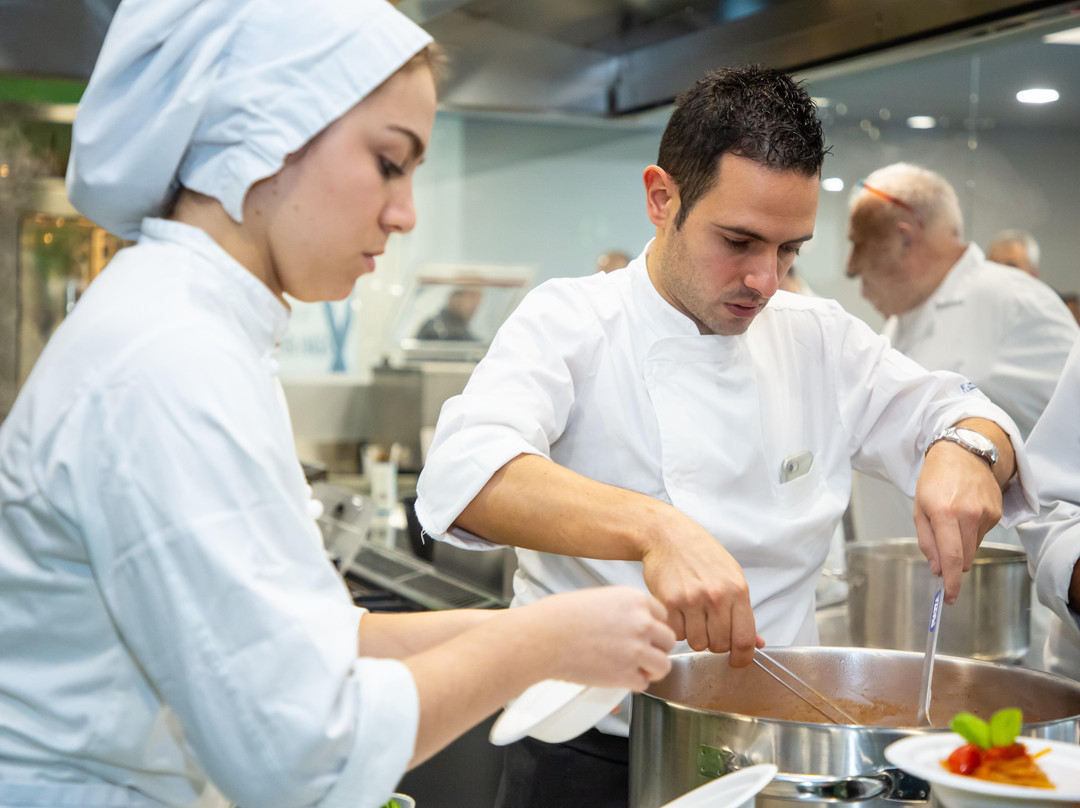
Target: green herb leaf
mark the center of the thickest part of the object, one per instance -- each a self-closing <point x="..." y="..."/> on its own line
<point x="972" y="728"/>
<point x="1005" y="726"/>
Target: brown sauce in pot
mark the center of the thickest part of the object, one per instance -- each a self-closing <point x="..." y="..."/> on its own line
<point x="947" y="701"/>
<point x="881" y="714"/>
<point x="878" y="688"/>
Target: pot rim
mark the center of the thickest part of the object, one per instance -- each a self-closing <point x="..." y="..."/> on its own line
<point x="1011" y="553"/>
<point x="860" y="728"/>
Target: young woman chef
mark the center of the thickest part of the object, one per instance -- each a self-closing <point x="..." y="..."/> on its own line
<point x="172" y="631"/>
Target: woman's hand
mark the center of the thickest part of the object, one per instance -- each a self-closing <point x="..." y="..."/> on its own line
<point x="614" y="636"/>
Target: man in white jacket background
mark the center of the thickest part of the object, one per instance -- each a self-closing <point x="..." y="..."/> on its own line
<point x="947" y="306"/>
<point x="1017" y="249"/>
<point x="682" y="426"/>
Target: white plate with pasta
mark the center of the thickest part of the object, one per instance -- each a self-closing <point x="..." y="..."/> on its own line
<point x="922" y="756"/>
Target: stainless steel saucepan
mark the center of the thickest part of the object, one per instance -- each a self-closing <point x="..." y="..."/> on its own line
<point x="706" y="719"/>
<point x="889" y="585"/>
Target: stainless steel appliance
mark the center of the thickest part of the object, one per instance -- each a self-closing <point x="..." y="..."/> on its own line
<point x="706" y="719"/>
<point x="890" y="587"/>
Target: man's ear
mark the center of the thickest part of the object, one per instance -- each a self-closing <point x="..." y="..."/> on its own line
<point x="907" y="234"/>
<point x="661" y="196"/>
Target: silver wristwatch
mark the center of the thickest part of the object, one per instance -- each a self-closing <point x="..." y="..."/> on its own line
<point x="975" y="442"/>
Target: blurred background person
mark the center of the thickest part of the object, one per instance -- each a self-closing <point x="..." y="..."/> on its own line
<point x="1015" y="248"/>
<point x="452" y="321"/>
<point x="947" y="306"/>
<point x="795" y="283"/>
<point x="1019" y="249"/>
<point x="612" y="260"/>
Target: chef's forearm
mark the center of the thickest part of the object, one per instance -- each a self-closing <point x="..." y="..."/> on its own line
<point x="1006" y="465"/>
<point x="469" y="677"/>
<point x="397" y="636"/>
<point x="537" y="504"/>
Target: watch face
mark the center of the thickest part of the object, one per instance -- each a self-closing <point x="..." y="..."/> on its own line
<point x="978" y="443"/>
<point x="976" y="439"/>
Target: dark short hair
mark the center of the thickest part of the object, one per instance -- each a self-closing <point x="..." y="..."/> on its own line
<point x="751" y="111"/>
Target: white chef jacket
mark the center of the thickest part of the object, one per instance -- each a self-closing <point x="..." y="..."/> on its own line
<point x="169" y="615"/>
<point x="603" y="376"/>
<point x="1052" y="540"/>
<point x="1007" y="332"/>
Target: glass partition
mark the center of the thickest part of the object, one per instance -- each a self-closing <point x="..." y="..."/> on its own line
<point x="453" y="312"/>
<point x="954" y="108"/>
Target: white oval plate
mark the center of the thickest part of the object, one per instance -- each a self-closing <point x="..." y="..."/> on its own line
<point x="727" y="791"/>
<point x="554" y="711"/>
<point x="921" y="755"/>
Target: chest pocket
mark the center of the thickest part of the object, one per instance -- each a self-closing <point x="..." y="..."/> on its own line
<point x="794" y="435"/>
<point x="801" y="489"/>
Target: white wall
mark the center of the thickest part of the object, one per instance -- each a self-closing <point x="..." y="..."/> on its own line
<point x="555" y="195"/>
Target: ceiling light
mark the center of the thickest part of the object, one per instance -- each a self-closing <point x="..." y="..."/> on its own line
<point x="833" y="184"/>
<point x="819" y="101"/>
<point x="1037" y="95"/>
<point x="922" y="122"/>
<point x="1070" y="36"/>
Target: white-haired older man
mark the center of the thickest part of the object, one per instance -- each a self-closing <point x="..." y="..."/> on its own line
<point x="948" y="307"/>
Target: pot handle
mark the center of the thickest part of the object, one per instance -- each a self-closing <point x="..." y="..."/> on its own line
<point x="888" y="784"/>
<point x="891" y="785"/>
<point x="799" y="787"/>
<point x="835" y="575"/>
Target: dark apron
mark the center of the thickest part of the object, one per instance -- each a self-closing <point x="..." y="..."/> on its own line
<point x="592" y="769"/>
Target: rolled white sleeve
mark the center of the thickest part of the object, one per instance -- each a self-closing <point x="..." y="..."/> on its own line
<point x="517" y="402"/>
<point x="893" y="407"/>
<point x="215" y="577"/>
<point x="386" y="731"/>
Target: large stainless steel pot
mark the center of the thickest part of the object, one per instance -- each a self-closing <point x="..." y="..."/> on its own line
<point x="890" y="589"/>
<point x="705" y="719"/>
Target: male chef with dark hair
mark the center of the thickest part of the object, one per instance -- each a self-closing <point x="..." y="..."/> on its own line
<point x="683" y="426"/>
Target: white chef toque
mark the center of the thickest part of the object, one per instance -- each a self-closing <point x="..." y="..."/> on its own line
<point x="215" y="94"/>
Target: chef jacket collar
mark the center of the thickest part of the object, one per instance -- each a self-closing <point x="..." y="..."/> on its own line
<point x="671" y="321"/>
<point x="264" y="318"/>
<point x="215" y="94"/>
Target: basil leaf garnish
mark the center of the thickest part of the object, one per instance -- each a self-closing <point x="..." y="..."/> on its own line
<point x="972" y="729"/>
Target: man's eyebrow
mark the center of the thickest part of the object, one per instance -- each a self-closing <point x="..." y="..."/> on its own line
<point x="743" y="231"/>
<point x="417" y="143"/>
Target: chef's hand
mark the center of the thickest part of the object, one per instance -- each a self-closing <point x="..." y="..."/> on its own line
<point x="611" y="636"/>
<point x="703" y="588"/>
<point x="957" y="500"/>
